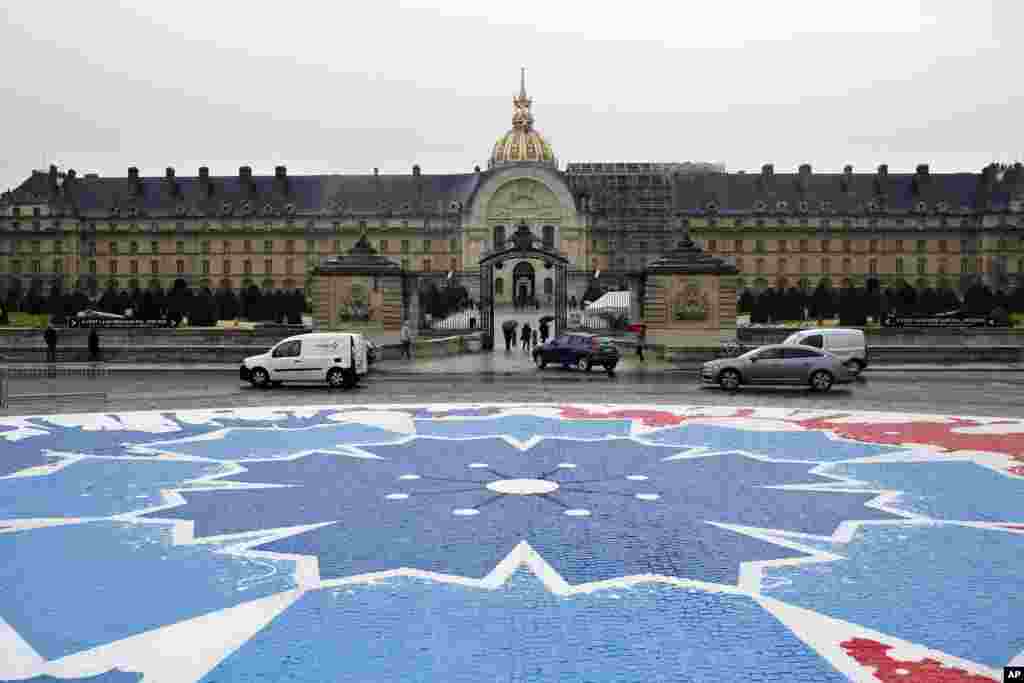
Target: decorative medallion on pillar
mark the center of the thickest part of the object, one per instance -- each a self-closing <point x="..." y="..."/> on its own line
<point x="360" y="289"/>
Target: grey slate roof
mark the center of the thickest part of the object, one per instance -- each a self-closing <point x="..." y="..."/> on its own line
<point x="845" y="193"/>
<point x="687" y="257"/>
<point x="430" y="195"/>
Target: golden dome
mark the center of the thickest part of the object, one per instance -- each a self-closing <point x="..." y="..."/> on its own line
<point x="523" y="142"/>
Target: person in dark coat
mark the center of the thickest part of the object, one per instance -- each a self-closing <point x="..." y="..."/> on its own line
<point x="526" y="336"/>
<point x="544" y="331"/>
<point x="50" y="337"/>
<point x="510" y="336"/>
<point x="94" y="345"/>
<point x="641" y="339"/>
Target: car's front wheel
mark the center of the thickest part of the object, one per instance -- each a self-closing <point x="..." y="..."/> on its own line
<point x="821" y="381"/>
<point x="729" y="380"/>
<point x="610" y="368"/>
<point x="584" y="364"/>
<point x="335" y="378"/>
<point x="259" y="378"/>
<point x="539" y="360"/>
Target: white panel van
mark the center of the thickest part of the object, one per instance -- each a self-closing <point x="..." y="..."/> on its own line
<point x="850" y="345"/>
<point x="338" y="358"/>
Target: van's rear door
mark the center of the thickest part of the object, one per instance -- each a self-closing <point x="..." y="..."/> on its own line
<point x="359" y="350"/>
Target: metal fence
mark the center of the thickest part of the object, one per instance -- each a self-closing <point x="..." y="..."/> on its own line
<point x="49" y="372"/>
<point x="462" y="321"/>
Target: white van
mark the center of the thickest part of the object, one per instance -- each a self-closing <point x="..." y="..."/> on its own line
<point x="850" y="345"/>
<point x="338" y="358"/>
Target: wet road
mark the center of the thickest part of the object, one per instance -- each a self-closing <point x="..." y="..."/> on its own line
<point x="955" y="392"/>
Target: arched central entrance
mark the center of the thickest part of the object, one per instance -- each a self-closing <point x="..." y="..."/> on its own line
<point x="522" y="245"/>
<point x="525" y="280"/>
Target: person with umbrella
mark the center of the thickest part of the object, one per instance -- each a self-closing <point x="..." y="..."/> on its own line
<point x="545" y="328"/>
<point x="526" y="336"/>
<point x="508" y="328"/>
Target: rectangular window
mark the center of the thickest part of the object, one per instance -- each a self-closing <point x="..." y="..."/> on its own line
<point x="803" y="265"/>
<point x="759" y="246"/>
<point x="873" y="266"/>
<point x="268" y="246"/>
<point x="310" y="246"/>
<point x="712" y="245"/>
<point x="36" y="267"/>
<point x="205" y="267"/>
<point x="15" y="266"/>
<point x="897" y="246"/>
<point x="35" y="247"/>
<point x="738" y="246"/>
<point x="427" y="265"/>
<point x="154" y="247"/>
<point x="922" y="266"/>
<point x="226" y="247"/>
<point x="846" y="246"/>
<point x="113" y="267"/>
<point x="922" y="245"/>
<point x="846" y="265"/>
<point x="227" y="267"/>
<point x="826" y="245"/>
<point x="803" y="245"/>
<point x="337" y="246"/>
<point x="405" y="246"/>
<point x="247" y="267"/>
<point x="204" y="246"/>
<point x="943" y="246"/>
<point x="179" y="266"/>
<point x="899" y="264"/>
<point x="179" y="247"/>
<point x="113" y="248"/>
<point x="288" y="265"/>
<point x="826" y="266"/>
<point x="154" y="267"/>
<point x="134" y="266"/>
<point x="58" y="247"/>
<point x="453" y="246"/>
<point x="426" y="246"/>
<point x="268" y="266"/>
<point x="247" y="246"/>
<point x="782" y="246"/>
<point x="383" y="246"/>
<point x="289" y="246"/>
<point x="873" y="246"/>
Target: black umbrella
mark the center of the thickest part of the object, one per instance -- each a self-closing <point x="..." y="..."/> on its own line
<point x="547" y="319"/>
<point x="509" y="325"/>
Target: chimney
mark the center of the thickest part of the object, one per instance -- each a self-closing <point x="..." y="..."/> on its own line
<point x="805" y="169"/>
<point x="768" y="170"/>
<point x="805" y="176"/>
<point x="204" y="174"/>
<point x="170" y="173"/>
<point x="416" y="169"/>
<point x="53" y="178"/>
<point x="846" y="182"/>
<point x="245" y="173"/>
<point x="280" y="172"/>
<point x="476" y="169"/>
<point x="376" y="172"/>
<point x="883" y="171"/>
<point x="281" y="180"/>
<point x="848" y="169"/>
<point x="71" y="174"/>
<point x="205" y="186"/>
<point x="922" y="169"/>
<point x="136" y="184"/>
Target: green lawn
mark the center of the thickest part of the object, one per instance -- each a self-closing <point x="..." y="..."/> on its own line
<point x="27" y="319"/>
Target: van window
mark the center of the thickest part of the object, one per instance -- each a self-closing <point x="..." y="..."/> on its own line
<point x="815" y="340"/>
<point x="790" y="354"/>
<point x="288" y="349"/>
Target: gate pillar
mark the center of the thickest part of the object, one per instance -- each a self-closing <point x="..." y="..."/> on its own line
<point x="361" y="288"/>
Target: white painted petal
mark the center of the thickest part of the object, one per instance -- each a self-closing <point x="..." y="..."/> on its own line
<point x="397" y="496"/>
<point x="637" y="477"/>
<point x="648" y="496"/>
<point x="478" y="465"/>
<point x="409" y="476"/>
<point x="465" y="512"/>
<point x="577" y="513"/>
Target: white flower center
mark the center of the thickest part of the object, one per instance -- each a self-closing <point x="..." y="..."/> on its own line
<point x="523" y="487"/>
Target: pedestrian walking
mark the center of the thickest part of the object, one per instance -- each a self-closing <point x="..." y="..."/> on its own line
<point x="544" y="332"/>
<point x="533" y="339"/>
<point x="94" y="345"/>
<point x="406" y="337"/>
<point x="525" y="336"/>
<point x="641" y="339"/>
<point x="50" y="337"/>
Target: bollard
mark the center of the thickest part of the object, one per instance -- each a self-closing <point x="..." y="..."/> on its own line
<point x="3" y="388"/>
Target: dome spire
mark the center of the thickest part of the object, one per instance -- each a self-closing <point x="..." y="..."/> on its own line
<point x="522" y="119"/>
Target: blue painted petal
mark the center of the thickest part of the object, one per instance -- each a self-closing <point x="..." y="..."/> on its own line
<point x="112" y="676"/>
<point x="523" y="427"/>
<point x="97" y="488"/>
<point x="70" y="588"/>
<point x="952" y="588"/>
<point x="783" y="445"/>
<point x="410" y="630"/>
<point x="960" y="491"/>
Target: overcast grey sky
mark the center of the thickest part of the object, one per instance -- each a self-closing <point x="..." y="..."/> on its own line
<point x="346" y="86"/>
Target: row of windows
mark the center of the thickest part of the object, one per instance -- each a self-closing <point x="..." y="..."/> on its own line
<point x="499" y="286"/>
<point x="547" y="236"/>
<point x="967" y="265"/>
<point x="268" y="246"/>
<point x="942" y="246"/>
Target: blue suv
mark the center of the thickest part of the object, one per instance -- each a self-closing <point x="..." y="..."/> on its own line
<point x="578" y="349"/>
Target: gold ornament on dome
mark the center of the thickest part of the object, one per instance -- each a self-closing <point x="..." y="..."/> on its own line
<point x="523" y="142"/>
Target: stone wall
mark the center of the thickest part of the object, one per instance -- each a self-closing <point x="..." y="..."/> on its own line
<point x="901" y="337"/>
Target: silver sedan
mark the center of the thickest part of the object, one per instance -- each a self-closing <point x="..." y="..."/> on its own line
<point x="778" y="364"/>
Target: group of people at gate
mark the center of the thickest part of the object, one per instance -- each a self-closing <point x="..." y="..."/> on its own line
<point x="529" y="337"/>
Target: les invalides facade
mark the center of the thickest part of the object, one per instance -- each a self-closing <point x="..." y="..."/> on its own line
<point x="780" y="229"/>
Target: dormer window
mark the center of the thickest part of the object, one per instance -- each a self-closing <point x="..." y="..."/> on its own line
<point x="921" y="207"/>
<point x="116" y="211"/>
<point x="711" y="207"/>
<point x="455" y="206"/>
<point x="942" y="207"/>
<point x="290" y="209"/>
<point x="268" y="210"/>
<point x="181" y="210"/>
<point x="826" y="206"/>
<point x="760" y="205"/>
<point x="133" y="211"/>
<point x="873" y="205"/>
<point x="781" y="205"/>
<point x="245" y="207"/>
<point x="225" y="207"/>
<point x="803" y="207"/>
